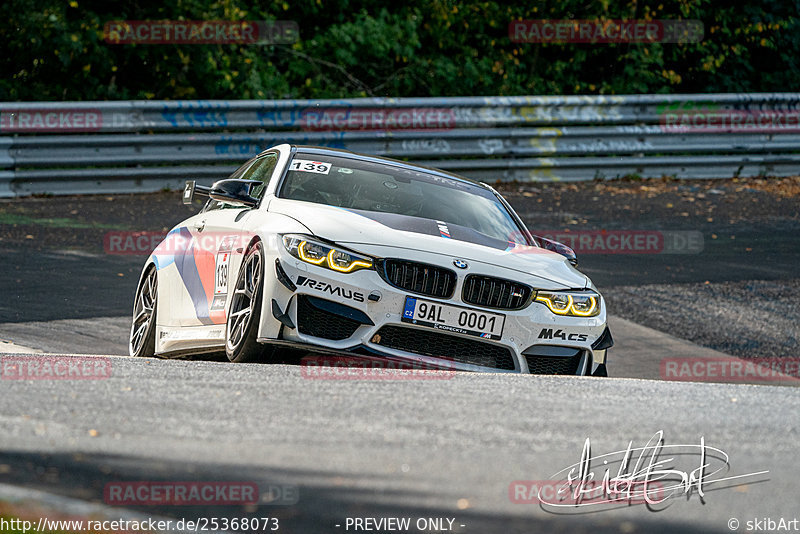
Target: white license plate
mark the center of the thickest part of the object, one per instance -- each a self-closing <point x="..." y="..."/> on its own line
<point x="453" y="318"/>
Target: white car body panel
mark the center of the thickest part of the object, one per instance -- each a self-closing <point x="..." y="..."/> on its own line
<point x="191" y="311"/>
<point x="363" y="234"/>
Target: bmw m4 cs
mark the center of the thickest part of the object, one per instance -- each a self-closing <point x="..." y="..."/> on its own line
<point x="338" y="253"/>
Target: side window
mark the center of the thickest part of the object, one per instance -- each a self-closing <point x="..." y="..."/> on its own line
<point x="259" y="168"/>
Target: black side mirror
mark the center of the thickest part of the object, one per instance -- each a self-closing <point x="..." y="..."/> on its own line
<point x="560" y="248"/>
<point x="232" y="191"/>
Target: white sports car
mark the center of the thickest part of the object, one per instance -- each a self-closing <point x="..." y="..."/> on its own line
<point x="339" y="253"/>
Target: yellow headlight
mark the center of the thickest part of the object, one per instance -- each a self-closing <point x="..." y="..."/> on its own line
<point x="557" y="305"/>
<point x="584" y="305"/>
<point x="562" y="303"/>
<point x="317" y="253"/>
<point x="344" y="262"/>
<point x="311" y="253"/>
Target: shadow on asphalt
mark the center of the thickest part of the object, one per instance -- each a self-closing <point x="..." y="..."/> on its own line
<point x="324" y="498"/>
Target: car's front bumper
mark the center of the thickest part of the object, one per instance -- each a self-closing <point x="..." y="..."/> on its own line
<point x="311" y="306"/>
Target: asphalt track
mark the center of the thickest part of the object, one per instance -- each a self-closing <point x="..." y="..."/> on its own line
<point x="638" y="351"/>
<point x="451" y="446"/>
<point x="442" y="447"/>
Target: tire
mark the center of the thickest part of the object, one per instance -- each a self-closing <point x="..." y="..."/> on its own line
<point x="241" y="327"/>
<point x="142" y="339"/>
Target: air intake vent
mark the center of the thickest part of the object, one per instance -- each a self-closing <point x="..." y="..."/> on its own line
<point x="491" y="292"/>
<point x="552" y="365"/>
<point x="445" y="346"/>
<point x="313" y="320"/>
<point x="419" y="278"/>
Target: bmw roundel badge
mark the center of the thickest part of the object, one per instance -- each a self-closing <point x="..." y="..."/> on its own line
<point x="461" y="264"/>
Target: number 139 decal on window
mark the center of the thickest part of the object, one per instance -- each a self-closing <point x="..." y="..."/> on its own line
<point x="306" y="165"/>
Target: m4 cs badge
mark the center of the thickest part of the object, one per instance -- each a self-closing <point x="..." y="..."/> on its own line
<point x="328" y="288"/>
<point x="547" y="333"/>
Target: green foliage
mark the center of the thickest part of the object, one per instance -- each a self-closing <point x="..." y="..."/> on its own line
<point x="55" y="50"/>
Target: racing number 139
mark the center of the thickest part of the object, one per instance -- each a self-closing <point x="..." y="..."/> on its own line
<point x="221" y="273"/>
<point x="310" y="166"/>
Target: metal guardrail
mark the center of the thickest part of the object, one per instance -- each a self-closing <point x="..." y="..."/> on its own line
<point x="114" y="147"/>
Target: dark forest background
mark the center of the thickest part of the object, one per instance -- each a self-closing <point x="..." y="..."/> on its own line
<point x="54" y="50"/>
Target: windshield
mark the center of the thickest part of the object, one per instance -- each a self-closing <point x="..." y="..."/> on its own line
<point x="378" y="187"/>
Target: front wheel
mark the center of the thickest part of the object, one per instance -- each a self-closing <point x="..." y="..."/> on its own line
<point x="241" y="328"/>
<point x="142" y="341"/>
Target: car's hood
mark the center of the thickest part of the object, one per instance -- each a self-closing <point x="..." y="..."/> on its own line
<point x="373" y="233"/>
